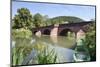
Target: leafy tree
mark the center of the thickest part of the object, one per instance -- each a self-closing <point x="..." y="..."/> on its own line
<point x="91" y="41"/>
<point x="38" y="20"/>
<point x="46" y="20"/>
<point x="23" y="19"/>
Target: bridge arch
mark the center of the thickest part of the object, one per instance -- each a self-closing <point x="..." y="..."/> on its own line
<point x="34" y="32"/>
<point x="46" y="32"/>
<point x="65" y="32"/>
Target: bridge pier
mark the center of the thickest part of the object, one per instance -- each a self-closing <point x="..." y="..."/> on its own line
<point x="79" y="36"/>
<point x="38" y="33"/>
<point x="54" y="31"/>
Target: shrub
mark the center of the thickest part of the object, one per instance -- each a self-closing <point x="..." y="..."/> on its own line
<point x="91" y="41"/>
<point x="23" y="33"/>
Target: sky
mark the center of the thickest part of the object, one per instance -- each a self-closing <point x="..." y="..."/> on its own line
<point x="52" y="10"/>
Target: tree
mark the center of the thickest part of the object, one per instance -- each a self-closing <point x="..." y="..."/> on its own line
<point x="91" y="40"/>
<point x="38" y="20"/>
<point x="46" y="20"/>
<point x="23" y="19"/>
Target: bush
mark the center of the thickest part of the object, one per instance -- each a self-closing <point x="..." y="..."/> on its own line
<point x="22" y="33"/>
<point x="91" y="41"/>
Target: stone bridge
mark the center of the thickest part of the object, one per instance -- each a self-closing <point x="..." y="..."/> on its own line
<point x="78" y="28"/>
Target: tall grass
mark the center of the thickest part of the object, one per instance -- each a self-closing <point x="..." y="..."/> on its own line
<point x="17" y="56"/>
<point x="21" y="49"/>
<point x="45" y="55"/>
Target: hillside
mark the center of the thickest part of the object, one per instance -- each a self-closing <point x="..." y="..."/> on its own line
<point x="63" y="19"/>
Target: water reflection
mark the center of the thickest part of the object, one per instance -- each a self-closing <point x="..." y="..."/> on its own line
<point x="61" y="41"/>
<point x="54" y="39"/>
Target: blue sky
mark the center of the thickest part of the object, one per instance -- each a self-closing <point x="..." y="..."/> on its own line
<point x="52" y="10"/>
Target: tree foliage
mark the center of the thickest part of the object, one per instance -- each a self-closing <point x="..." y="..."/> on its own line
<point x="63" y="19"/>
<point x="23" y="19"/>
<point x="91" y="41"/>
<point x="38" y="20"/>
